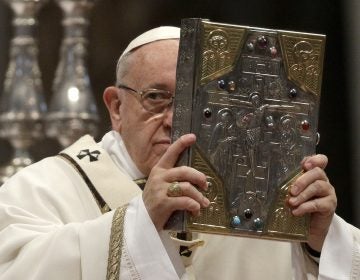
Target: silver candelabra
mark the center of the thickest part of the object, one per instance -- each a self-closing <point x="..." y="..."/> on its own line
<point x="22" y="105"/>
<point x="72" y="111"/>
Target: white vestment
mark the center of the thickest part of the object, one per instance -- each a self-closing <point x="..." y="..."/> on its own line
<point x="52" y="227"/>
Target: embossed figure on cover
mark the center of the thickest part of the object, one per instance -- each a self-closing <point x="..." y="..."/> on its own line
<point x="251" y="95"/>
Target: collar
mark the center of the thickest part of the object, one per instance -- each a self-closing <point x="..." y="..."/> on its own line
<point x="115" y="146"/>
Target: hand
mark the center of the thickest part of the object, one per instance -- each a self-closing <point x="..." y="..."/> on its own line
<point x="313" y="193"/>
<point x="158" y="204"/>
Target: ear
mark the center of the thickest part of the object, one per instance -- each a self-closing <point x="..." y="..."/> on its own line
<point x="112" y="101"/>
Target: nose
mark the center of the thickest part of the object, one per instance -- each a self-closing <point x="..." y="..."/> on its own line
<point x="168" y="116"/>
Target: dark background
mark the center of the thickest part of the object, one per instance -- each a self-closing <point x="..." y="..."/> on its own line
<point x="115" y="22"/>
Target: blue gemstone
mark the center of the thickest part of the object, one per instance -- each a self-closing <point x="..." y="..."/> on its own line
<point x="258" y="223"/>
<point x="235" y="221"/>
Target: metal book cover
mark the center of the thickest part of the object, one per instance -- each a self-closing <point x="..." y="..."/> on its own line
<point x="251" y="95"/>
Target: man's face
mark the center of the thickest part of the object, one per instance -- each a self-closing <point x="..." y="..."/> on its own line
<point x="147" y="136"/>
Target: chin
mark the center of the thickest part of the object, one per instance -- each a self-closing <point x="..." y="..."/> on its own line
<point x="156" y="157"/>
<point x="160" y="149"/>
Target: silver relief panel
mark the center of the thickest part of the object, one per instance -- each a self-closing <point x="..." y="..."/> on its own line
<point x="254" y="108"/>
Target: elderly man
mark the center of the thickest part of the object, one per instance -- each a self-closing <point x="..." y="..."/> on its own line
<point x="79" y="215"/>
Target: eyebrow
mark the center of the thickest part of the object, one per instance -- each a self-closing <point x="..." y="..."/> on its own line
<point x="157" y="85"/>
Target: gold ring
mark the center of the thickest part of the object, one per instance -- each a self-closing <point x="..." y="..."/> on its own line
<point x="174" y="190"/>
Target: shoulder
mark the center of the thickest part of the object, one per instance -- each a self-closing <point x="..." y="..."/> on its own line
<point x="40" y="173"/>
<point x="51" y="185"/>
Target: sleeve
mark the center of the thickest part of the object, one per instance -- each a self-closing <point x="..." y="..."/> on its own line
<point x="147" y="254"/>
<point x="304" y="267"/>
<point x="53" y="229"/>
<point x="340" y="255"/>
<point x="33" y="248"/>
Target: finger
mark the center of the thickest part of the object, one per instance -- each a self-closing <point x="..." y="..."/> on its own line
<point x="325" y="205"/>
<point x="317" y="189"/>
<point x="189" y="190"/>
<point x="170" y="157"/>
<point x="306" y="179"/>
<point x="187" y="174"/>
<point x="315" y="161"/>
<point x="185" y="203"/>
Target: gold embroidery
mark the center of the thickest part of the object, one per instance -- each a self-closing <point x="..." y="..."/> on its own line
<point x="129" y="263"/>
<point x="116" y="244"/>
<point x="104" y="208"/>
<point x="141" y="183"/>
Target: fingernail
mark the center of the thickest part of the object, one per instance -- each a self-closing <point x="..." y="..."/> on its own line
<point x="208" y="185"/>
<point x="206" y="202"/>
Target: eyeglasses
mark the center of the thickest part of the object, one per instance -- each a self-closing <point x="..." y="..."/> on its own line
<point x="155" y="101"/>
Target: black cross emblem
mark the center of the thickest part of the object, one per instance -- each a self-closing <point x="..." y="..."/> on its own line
<point x="93" y="156"/>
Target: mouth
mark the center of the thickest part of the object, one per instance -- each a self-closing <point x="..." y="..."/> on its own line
<point x="163" y="141"/>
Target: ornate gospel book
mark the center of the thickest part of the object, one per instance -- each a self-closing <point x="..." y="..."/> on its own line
<point x="251" y="95"/>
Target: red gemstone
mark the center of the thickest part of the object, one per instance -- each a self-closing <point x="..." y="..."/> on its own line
<point x="262" y="42"/>
<point x="305" y="125"/>
<point x="273" y="51"/>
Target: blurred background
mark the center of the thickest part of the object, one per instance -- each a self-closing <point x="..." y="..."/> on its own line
<point x="114" y="22"/>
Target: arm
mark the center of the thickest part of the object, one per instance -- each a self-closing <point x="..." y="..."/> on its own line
<point x="151" y="253"/>
<point x="51" y="228"/>
<point x="329" y="234"/>
<point x="340" y="255"/>
<point x="44" y="235"/>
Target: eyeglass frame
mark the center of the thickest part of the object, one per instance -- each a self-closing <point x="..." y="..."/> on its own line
<point x="141" y="94"/>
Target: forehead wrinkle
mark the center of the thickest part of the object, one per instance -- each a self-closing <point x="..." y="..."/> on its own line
<point x="143" y="65"/>
<point x="130" y="74"/>
<point x="141" y="62"/>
